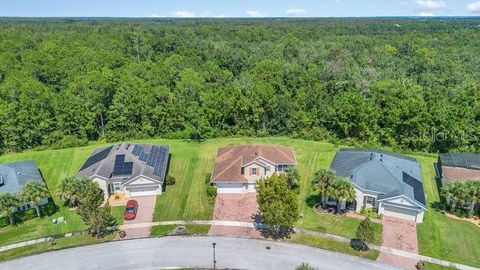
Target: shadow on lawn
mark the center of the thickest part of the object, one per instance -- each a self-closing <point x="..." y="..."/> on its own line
<point x="313" y="200"/>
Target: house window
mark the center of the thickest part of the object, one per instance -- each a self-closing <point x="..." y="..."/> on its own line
<point x="117" y="187"/>
<point x="369" y="200"/>
<point x="254" y="171"/>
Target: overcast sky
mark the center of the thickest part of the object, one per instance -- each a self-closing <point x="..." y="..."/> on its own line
<point x="237" y="8"/>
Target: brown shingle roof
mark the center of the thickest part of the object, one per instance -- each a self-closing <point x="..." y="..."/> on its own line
<point x="451" y="174"/>
<point x="230" y="160"/>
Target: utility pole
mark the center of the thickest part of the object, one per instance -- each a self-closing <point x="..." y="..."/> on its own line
<point x="214" y="260"/>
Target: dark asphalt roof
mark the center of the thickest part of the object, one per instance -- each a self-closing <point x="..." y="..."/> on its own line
<point x="16" y="174"/>
<point x="126" y="161"/>
<point x="461" y="160"/>
<point x="383" y="172"/>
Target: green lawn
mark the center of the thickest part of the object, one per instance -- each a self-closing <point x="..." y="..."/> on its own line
<point x="162" y="230"/>
<point x="332" y="245"/>
<point x="61" y="243"/>
<point x="439" y="236"/>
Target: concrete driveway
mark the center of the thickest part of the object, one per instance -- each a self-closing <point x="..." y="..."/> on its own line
<point x="399" y="234"/>
<point x="191" y="252"/>
<point x="146" y="207"/>
<point x="235" y="207"/>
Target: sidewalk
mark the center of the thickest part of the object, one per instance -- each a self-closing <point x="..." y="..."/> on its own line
<point x="392" y="251"/>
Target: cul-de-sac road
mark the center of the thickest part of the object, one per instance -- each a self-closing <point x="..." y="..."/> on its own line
<point x="158" y="253"/>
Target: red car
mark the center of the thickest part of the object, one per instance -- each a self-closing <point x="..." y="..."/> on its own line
<point x="131" y="210"/>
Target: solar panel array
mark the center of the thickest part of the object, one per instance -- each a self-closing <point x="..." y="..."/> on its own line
<point x="156" y="158"/>
<point x="97" y="157"/>
<point x="122" y="168"/>
<point x="417" y="186"/>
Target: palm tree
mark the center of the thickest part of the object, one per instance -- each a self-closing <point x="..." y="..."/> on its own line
<point x="472" y="195"/>
<point x="323" y="181"/>
<point x="343" y="190"/>
<point x="455" y="193"/>
<point x="34" y="193"/>
<point x="8" y="205"/>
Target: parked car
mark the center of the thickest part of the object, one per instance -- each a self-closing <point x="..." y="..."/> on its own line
<point x="131" y="210"/>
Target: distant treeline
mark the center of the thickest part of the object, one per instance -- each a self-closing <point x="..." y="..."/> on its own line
<point x="403" y="83"/>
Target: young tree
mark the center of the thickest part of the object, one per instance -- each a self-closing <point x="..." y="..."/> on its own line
<point x="365" y="231"/>
<point x="8" y="205"/>
<point x="33" y="193"/>
<point x="293" y="177"/>
<point x="99" y="219"/>
<point x="91" y="198"/>
<point x="322" y="180"/>
<point x="277" y="204"/>
<point x="89" y="208"/>
<point x="71" y="190"/>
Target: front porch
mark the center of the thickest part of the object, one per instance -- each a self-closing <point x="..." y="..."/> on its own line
<point x="118" y="199"/>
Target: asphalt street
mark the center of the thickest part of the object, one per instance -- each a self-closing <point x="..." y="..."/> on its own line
<point x="167" y="252"/>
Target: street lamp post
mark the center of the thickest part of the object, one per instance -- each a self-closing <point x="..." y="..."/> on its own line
<point x="214" y="260"/>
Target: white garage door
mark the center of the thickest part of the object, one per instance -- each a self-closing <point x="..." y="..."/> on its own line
<point x="229" y="188"/>
<point x="400" y="213"/>
<point x="143" y="191"/>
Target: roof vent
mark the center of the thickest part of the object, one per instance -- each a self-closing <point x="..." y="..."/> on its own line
<point x="372" y="155"/>
<point x="2" y="182"/>
<point x="256" y="153"/>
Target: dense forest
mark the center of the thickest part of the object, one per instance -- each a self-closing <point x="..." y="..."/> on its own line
<point x="401" y="82"/>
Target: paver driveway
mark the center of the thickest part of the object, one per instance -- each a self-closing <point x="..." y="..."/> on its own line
<point x="235" y="207"/>
<point x="146" y="207"/>
<point x="399" y="234"/>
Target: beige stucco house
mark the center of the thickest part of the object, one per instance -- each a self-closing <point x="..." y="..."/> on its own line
<point x="238" y="168"/>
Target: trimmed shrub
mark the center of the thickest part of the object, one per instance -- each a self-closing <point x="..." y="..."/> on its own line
<point x="365" y="231"/>
<point x="170" y="180"/>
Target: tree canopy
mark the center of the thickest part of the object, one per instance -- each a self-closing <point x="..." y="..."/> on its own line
<point x="277" y="204"/>
<point x="405" y="83"/>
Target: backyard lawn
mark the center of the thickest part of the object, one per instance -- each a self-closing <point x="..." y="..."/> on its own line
<point x="440" y="236"/>
<point x="191" y="163"/>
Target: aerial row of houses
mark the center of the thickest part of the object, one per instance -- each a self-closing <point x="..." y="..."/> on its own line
<point x="390" y="183"/>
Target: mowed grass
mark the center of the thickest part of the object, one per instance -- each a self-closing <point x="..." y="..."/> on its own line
<point x="73" y="241"/>
<point x="332" y="245"/>
<point x="191" y="162"/>
<point x="440" y="236"/>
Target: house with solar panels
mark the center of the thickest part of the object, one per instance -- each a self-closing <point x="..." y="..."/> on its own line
<point x="391" y="184"/>
<point x="129" y="168"/>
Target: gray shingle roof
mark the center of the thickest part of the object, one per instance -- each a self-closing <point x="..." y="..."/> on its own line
<point x="145" y="159"/>
<point x="16" y="174"/>
<point x="382" y="172"/>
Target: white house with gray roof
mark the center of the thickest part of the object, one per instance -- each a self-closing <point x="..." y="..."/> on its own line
<point x="132" y="169"/>
<point x="388" y="182"/>
<point x="15" y="175"/>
